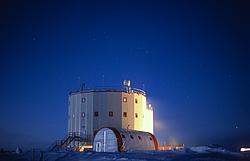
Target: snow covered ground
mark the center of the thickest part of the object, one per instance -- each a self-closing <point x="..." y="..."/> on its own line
<point x="202" y="153"/>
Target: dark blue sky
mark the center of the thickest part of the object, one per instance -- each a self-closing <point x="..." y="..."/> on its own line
<point x="192" y="58"/>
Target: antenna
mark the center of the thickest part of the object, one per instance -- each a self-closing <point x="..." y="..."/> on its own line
<point x="103" y="80"/>
<point x="79" y="81"/>
<point x="143" y="86"/>
<point x="83" y="86"/>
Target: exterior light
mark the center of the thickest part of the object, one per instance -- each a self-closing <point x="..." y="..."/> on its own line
<point x="245" y="149"/>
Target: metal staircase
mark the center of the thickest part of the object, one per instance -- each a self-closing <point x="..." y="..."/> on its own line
<point x="69" y="142"/>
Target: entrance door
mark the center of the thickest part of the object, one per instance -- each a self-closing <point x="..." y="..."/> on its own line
<point x="98" y="146"/>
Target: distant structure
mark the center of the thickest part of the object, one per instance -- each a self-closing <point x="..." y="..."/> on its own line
<point x="89" y="110"/>
<point x="18" y="150"/>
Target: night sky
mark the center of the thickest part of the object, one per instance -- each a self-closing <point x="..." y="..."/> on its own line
<point x="191" y="57"/>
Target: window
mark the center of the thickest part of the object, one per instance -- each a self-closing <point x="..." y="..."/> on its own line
<point x="83" y="114"/>
<point x="124" y="114"/>
<point x="136" y="115"/>
<point x="83" y="100"/>
<point x="96" y="114"/>
<point x="131" y="137"/>
<point x="124" y="99"/>
<point x="150" y="139"/>
<point x="139" y="137"/>
<point x="136" y="101"/>
<point x="123" y="136"/>
<point x="111" y="114"/>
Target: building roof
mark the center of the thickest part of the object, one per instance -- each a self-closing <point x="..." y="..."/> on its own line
<point x="132" y="90"/>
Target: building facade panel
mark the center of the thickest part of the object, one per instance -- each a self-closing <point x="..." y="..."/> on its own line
<point x="139" y="106"/>
<point x="108" y="107"/>
<point x="127" y="110"/>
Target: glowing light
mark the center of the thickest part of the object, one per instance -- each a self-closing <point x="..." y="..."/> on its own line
<point x="244" y="149"/>
<point x="81" y="148"/>
<point x="171" y="147"/>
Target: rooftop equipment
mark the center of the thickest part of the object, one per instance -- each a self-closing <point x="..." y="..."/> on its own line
<point x="126" y="84"/>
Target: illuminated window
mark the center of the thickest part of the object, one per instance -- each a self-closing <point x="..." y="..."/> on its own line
<point x="136" y="115"/>
<point x="83" y="114"/>
<point x="139" y="137"/>
<point x="111" y="114"/>
<point x="136" y="101"/>
<point x="123" y="136"/>
<point x="124" y="99"/>
<point x="83" y="100"/>
<point x="96" y="114"/>
<point x="131" y="137"/>
<point x="124" y="114"/>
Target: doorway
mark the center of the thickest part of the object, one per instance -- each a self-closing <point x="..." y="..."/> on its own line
<point x="98" y="146"/>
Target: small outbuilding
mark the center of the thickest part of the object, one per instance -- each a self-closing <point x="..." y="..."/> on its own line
<point x="111" y="139"/>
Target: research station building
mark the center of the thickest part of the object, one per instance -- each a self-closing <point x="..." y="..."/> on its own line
<point x="91" y="110"/>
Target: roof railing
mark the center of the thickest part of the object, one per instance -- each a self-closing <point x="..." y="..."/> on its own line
<point x="133" y="90"/>
<point x="139" y="91"/>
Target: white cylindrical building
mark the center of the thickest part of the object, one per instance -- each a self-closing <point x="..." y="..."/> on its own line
<point x="90" y="110"/>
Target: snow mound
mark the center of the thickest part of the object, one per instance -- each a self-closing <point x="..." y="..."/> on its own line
<point x="211" y="149"/>
<point x="200" y="149"/>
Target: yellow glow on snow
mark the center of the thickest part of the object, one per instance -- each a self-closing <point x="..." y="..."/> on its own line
<point x="81" y="148"/>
